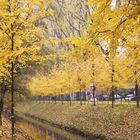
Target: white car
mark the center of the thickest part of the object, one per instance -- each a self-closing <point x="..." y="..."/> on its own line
<point x="92" y="99"/>
<point x="129" y="97"/>
<point x="117" y="96"/>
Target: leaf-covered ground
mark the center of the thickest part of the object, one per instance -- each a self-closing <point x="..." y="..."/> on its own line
<point x="122" y="122"/>
<point x="5" y="132"/>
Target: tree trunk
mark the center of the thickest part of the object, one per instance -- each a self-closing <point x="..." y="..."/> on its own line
<point x="137" y="94"/>
<point x="12" y="100"/>
<point x="113" y="99"/>
<point x="94" y="102"/>
<point x="70" y="99"/>
<point x="62" y="99"/>
<point x="55" y="99"/>
<point x="80" y="97"/>
<point x="1" y="102"/>
<point x="12" y="86"/>
<point x="3" y="91"/>
<point x="112" y="92"/>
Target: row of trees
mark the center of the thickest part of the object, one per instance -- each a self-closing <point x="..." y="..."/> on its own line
<point x="98" y="43"/>
<point x="107" y="54"/>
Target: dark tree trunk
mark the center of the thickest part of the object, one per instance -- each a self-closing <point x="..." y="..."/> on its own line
<point x="94" y="100"/>
<point x="113" y="99"/>
<point x="1" y="104"/>
<point x="62" y="99"/>
<point x="137" y="94"/>
<point x="12" y="86"/>
<point x="81" y="97"/>
<point x="12" y="100"/>
<point x="0" y="114"/>
<point x="112" y="92"/>
<point x="70" y="99"/>
<point x="3" y="91"/>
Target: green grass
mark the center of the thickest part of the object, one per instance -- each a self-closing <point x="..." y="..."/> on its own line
<point x="122" y="122"/>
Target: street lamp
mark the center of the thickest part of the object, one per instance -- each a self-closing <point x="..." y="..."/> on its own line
<point x="93" y="87"/>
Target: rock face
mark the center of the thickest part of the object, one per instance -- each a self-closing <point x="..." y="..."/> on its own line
<point x="5" y="132"/>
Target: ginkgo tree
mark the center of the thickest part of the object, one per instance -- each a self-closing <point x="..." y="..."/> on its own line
<point x="97" y="65"/>
<point x="109" y="21"/>
<point x="133" y="56"/>
<point x="68" y="78"/>
<point x="19" y="25"/>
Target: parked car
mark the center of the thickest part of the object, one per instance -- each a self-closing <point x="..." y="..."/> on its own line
<point x="92" y="99"/>
<point x="129" y="97"/>
<point x="134" y="98"/>
<point x="103" y="97"/>
<point x="117" y="96"/>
